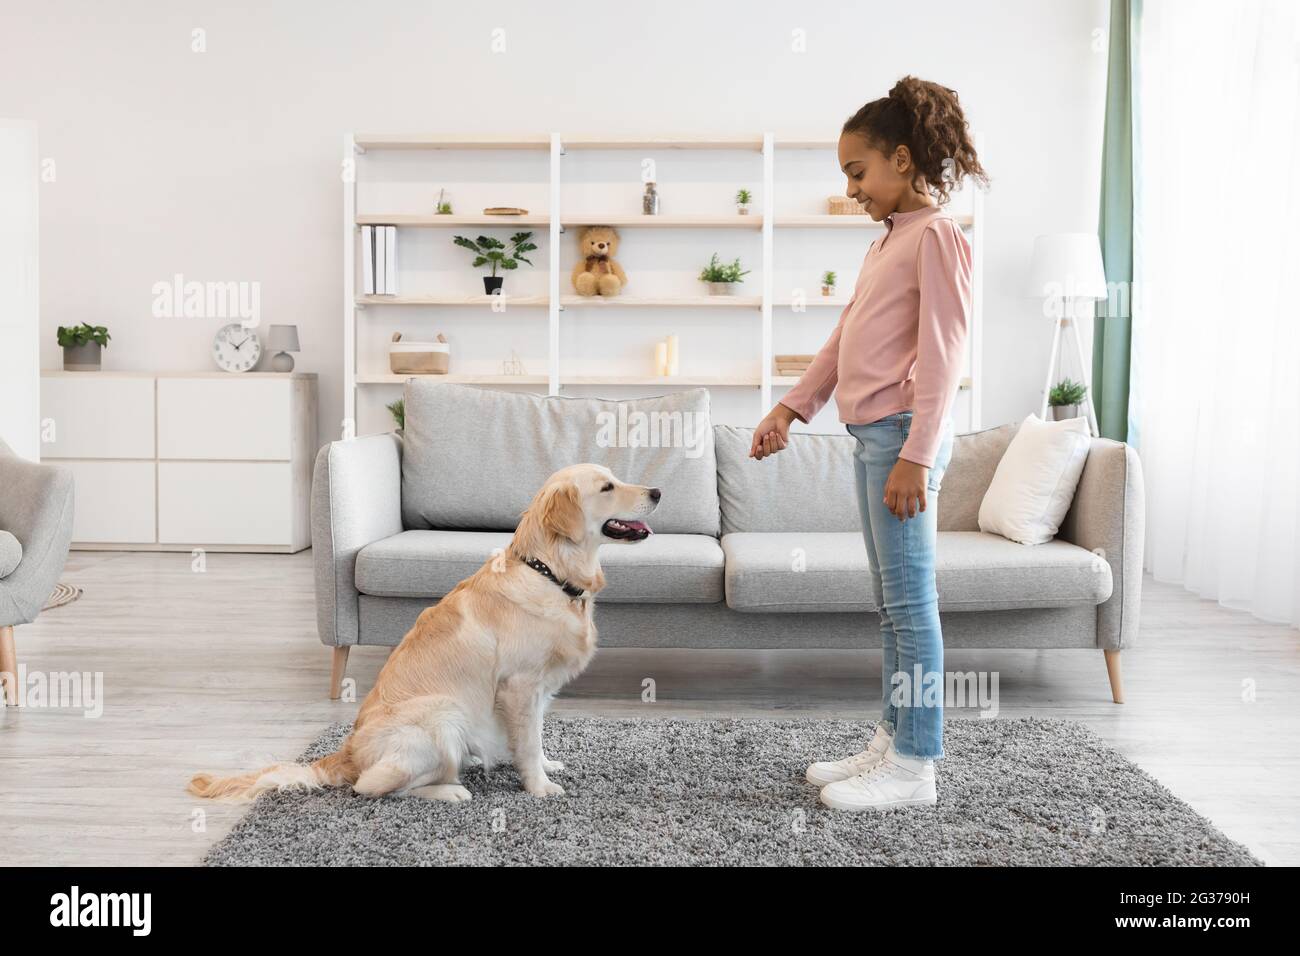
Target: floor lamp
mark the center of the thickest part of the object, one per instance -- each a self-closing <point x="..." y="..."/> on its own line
<point x="1067" y="270"/>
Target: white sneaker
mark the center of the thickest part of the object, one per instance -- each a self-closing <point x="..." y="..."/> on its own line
<point x="894" y="781"/>
<point x="827" y="771"/>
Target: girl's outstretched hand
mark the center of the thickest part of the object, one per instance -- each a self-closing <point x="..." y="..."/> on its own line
<point x="905" y="489"/>
<point x="772" y="433"/>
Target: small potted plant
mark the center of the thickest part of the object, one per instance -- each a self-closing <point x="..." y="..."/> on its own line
<point x="444" y="207"/>
<point x="398" y="410"/>
<point x="828" y="283"/>
<point x="81" y="346"/>
<point x="1065" y="398"/>
<point x="742" y="201"/>
<point x="487" y="249"/>
<point x="722" y="277"/>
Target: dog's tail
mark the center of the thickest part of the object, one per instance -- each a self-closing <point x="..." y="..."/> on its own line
<point x="332" y="771"/>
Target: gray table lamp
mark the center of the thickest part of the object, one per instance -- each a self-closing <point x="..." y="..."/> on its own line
<point x="283" y="340"/>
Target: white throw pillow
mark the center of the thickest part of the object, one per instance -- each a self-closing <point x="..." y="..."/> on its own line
<point x="1034" y="483"/>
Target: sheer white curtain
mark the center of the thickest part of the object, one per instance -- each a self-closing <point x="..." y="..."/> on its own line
<point x="1215" y="404"/>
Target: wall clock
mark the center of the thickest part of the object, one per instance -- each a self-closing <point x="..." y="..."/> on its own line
<point x="235" y="348"/>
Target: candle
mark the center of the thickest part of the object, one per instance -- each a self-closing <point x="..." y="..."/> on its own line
<point x="661" y="358"/>
<point x="672" y="355"/>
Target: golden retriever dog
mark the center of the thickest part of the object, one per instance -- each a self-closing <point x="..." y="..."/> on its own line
<point x="470" y="681"/>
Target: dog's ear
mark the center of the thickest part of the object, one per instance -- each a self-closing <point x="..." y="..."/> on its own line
<point x="562" y="512"/>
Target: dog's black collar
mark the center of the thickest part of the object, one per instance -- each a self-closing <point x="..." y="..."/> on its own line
<point x="540" y="566"/>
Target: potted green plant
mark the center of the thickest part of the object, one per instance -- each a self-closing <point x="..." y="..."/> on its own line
<point x="722" y="277"/>
<point x="487" y="249"/>
<point x="398" y="410"/>
<point x="444" y="207"/>
<point x="828" y="283"/>
<point x="742" y="201"/>
<point x="81" y="346"/>
<point x="1065" y="398"/>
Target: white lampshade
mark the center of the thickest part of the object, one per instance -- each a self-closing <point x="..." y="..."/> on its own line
<point x="283" y="338"/>
<point x="1067" y="265"/>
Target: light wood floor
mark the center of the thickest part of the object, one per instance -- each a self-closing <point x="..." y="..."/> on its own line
<point x="222" y="670"/>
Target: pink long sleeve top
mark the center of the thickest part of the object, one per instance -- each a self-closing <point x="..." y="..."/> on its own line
<point x="900" y="342"/>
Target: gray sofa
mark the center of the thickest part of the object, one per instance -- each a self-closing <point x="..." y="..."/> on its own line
<point x="36" y="509"/>
<point x="745" y="553"/>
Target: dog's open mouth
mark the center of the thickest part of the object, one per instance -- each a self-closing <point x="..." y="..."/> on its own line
<point x="621" y="530"/>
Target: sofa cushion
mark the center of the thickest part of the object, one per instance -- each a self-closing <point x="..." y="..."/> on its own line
<point x="664" y="568"/>
<point x="799" y="571"/>
<point x="473" y="458"/>
<point x="424" y="563"/>
<point x="975" y="457"/>
<point x="765" y="495"/>
<point x="773" y="494"/>
<point x="986" y="572"/>
<point x="1034" y="484"/>
<point x="974" y="572"/>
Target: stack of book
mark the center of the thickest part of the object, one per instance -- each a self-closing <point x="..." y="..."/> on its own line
<point x="792" y="364"/>
<point x="379" y="260"/>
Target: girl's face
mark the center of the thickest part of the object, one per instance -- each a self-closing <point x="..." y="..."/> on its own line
<point x="877" y="181"/>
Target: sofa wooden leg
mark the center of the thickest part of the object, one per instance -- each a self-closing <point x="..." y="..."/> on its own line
<point x="9" y="665"/>
<point x="339" y="668"/>
<point x="1112" y="669"/>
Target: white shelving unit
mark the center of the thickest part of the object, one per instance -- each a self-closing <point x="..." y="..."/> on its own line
<point x="775" y="213"/>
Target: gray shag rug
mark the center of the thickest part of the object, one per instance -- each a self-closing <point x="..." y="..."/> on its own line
<point x="658" y="791"/>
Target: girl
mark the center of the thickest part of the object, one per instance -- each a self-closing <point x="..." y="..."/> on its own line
<point x="896" y="356"/>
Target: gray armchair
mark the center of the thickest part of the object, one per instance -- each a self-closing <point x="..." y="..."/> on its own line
<point x="36" y="508"/>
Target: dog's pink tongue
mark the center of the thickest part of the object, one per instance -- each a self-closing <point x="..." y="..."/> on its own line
<point x="639" y="526"/>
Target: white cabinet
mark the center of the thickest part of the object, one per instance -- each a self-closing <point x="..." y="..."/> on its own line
<point x="225" y="502"/>
<point x="96" y="415"/>
<point x="180" y="461"/>
<point x="113" y="501"/>
<point x="225" y="418"/>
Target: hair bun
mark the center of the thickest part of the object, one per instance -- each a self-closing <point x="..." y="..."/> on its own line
<point x="928" y="119"/>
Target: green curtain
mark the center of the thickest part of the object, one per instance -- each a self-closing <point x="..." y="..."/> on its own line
<point x="1112" y="330"/>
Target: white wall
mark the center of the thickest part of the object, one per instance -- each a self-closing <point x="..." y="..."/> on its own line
<point x="20" y="385"/>
<point x="224" y="165"/>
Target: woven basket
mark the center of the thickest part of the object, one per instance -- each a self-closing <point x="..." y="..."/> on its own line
<point x="844" y="206"/>
<point x="418" y="358"/>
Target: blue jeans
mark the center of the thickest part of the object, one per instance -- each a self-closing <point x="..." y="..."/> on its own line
<point x="900" y="555"/>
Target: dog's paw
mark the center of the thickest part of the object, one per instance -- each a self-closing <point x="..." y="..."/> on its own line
<point x="446" y="792"/>
<point x="552" y="766"/>
<point x="546" y="788"/>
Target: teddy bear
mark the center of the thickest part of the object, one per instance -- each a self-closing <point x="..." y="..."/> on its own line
<point x="597" y="272"/>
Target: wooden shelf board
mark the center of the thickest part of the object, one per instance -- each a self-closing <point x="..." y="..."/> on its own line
<point x="467" y="379"/>
<point x="687" y="301"/>
<point x="716" y="381"/>
<point x="836" y="301"/>
<point x="453" y="300"/>
<point x="752" y="221"/>
<point x="429" y="220"/>
<point x="734" y="381"/>
<point x="786" y="380"/>
<point x="780" y="143"/>
<point x="441" y="141"/>
<point x="543" y="142"/>
<point x="651" y="143"/>
<point x="847" y="221"/>
<point x="127" y="373"/>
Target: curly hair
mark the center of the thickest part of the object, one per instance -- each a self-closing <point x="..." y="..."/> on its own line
<point x="927" y="119"/>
